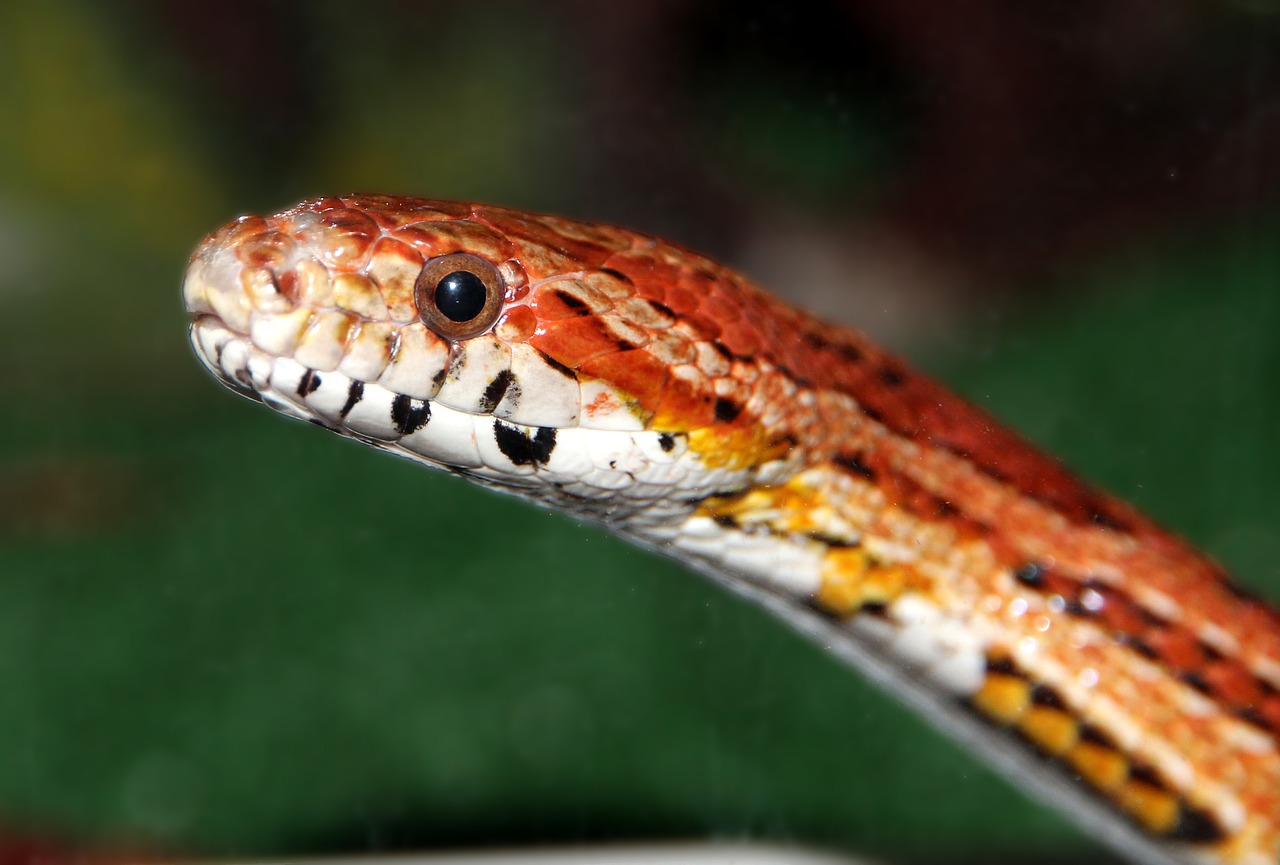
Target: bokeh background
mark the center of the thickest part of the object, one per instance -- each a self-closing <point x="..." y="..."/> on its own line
<point x="224" y="634"/>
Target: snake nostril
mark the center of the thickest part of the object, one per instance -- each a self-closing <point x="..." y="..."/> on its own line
<point x="288" y="284"/>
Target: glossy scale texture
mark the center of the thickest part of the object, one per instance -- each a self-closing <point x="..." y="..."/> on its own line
<point x="637" y="384"/>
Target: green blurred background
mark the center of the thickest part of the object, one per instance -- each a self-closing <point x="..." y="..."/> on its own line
<point x="225" y="634"/>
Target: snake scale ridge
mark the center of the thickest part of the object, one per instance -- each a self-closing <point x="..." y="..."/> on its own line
<point x="1098" y="661"/>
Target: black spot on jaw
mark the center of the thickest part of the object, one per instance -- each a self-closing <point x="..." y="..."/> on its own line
<point x="854" y="463"/>
<point x="1147" y="615"/>
<point x="849" y="353"/>
<point x="310" y="381"/>
<point x="524" y="449"/>
<point x="572" y="302"/>
<point x="1030" y="574"/>
<point x="1003" y="666"/>
<point x="727" y="410"/>
<point x="725" y="520"/>
<point x="666" y="441"/>
<point x="891" y="377"/>
<point x="1076" y="607"/>
<point x="663" y="308"/>
<point x="1250" y="715"/>
<point x="1043" y="695"/>
<point x="354" y="394"/>
<point x="1139" y="645"/>
<point x="1196" y="827"/>
<point x="1094" y="735"/>
<point x="496" y="390"/>
<point x="1108" y="521"/>
<point x="831" y="541"/>
<point x="1195" y="680"/>
<point x="816" y="341"/>
<point x="728" y="353"/>
<point x="408" y="414"/>
<point x="558" y="366"/>
<point x="1147" y="775"/>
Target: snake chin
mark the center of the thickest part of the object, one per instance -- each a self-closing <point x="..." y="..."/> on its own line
<point x="227" y="355"/>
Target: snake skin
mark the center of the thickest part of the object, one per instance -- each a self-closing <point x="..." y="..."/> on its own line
<point x="1097" y="660"/>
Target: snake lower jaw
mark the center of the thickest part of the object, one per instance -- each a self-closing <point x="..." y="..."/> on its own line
<point x="225" y="354"/>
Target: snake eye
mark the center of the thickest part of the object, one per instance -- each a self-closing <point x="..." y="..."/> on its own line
<point x="458" y="296"/>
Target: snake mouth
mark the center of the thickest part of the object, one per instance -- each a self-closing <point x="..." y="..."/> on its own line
<point x="237" y="363"/>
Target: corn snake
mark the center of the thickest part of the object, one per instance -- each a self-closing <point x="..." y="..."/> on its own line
<point x="1096" y="659"/>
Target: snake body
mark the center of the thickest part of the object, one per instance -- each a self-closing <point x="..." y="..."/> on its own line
<point x="1100" y="662"/>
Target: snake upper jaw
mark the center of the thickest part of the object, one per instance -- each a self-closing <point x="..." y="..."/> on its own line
<point x="232" y="359"/>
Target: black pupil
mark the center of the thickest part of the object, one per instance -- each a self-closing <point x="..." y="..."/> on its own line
<point x="460" y="295"/>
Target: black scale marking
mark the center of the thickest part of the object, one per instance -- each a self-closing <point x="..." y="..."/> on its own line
<point x="497" y="389"/>
<point x="310" y="382"/>
<point x="354" y="394"/>
<point x="408" y="414"/>
<point x="524" y="449"/>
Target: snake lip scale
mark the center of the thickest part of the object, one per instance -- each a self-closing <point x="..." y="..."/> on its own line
<point x="1093" y="658"/>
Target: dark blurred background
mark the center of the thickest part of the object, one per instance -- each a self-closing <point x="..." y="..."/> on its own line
<point x="222" y="634"/>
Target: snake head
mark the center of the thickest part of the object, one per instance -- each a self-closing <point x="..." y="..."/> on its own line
<point x="525" y="351"/>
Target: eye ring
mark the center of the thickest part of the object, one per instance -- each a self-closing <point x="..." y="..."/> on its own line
<point x="458" y="295"/>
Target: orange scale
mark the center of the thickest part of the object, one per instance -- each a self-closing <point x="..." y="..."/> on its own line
<point x="578" y="253"/>
<point x="322" y="204"/>
<point x="394" y="266"/>
<point x="442" y="238"/>
<point x="517" y="324"/>
<point x="352" y="223"/>
<point x="790" y="350"/>
<point x="1177" y="647"/>
<point x="636" y="373"/>
<point x="687" y="402"/>
<point x="542" y="262"/>
<point x="741" y="338"/>
<point x="652" y="277"/>
<point x="391" y="211"/>
<point x="609" y="285"/>
<point x="269" y="249"/>
<point x="1263" y="627"/>
<point x="677" y="298"/>
<point x="1269" y="710"/>
<point x="1119" y="615"/>
<point x="704" y="327"/>
<point x="574" y="341"/>
<point x="241" y="230"/>
<point x="557" y="300"/>
<point x="720" y="307"/>
<point x="463" y="235"/>
<point x="601" y="236"/>
<point x="1233" y="683"/>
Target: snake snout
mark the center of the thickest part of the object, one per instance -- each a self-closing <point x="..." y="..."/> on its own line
<point x="231" y="303"/>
